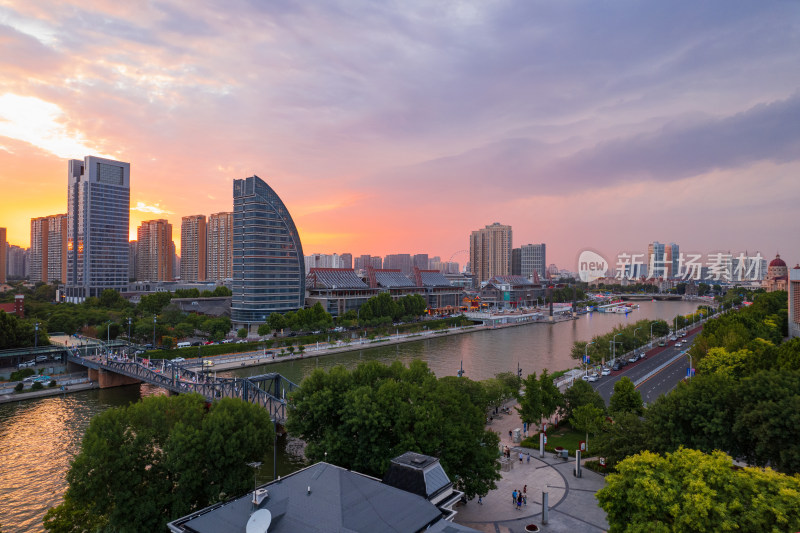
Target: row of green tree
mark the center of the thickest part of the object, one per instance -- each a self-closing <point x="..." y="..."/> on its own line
<point x="315" y="318"/>
<point x="383" y="309"/>
<point x="626" y="338"/>
<point x="17" y="332"/>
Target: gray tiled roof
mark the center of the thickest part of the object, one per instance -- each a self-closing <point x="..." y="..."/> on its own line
<point x="340" y="501"/>
<point x="434" y="279"/>
<point x="390" y="279"/>
<point x="330" y="278"/>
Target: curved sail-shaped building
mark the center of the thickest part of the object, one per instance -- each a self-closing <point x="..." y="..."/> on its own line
<point x="268" y="263"/>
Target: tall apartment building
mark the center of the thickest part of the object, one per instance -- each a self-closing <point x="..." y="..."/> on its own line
<point x="132" y="260"/>
<point x="490" y="251"/>
<point x="361" y="263"/>
<point x="401" y="262"/>
<point x="154" y="251"/>
<point x="3" y="256"/>
<point x="794" y="302"/>
<point x="268" y="263"/>
<point x="219" y="246"/>
<point x="347" y="260"/>
<point x="420" y="261"/>
<point x="48" y="258"/>
<point x="17" y="262"/>
<point x="527" y="259"/>
<point x="323" y="261"/>
<point x="98" y="211"/>
<point x="662" y="260"/>
<point x="193" y="248"/>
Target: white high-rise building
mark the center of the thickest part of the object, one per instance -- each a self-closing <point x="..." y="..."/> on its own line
<point x="98" y="211"/>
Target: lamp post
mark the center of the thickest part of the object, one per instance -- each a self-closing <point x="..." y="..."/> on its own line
<point x="653" y="323"/>
<point x="614" y="342"/>
<point x="154" y="332"/>
<point x="36" y="335"/>
<point x="634" y="339"/>
<point x="254" y="465"/>
<point x="586" y="355"/>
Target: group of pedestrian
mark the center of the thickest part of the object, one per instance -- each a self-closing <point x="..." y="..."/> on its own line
<point x="520" y="498"/>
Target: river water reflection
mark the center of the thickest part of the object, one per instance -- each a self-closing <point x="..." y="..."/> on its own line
<point x="38" y="438"/>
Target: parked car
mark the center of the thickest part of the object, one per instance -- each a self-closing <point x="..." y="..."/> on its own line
<point x="41" y="358"/>
<point x="178" y="360"/>
<point x="590" y="377"/>
<point x="633" y="358"/>
<point x="617" y="366"/>
<point x="606" y="371"/>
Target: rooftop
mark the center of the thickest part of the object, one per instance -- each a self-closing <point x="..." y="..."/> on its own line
<point x="334" y="278"/>
<point x="323" y="498"/>
<point x="392" y="278"/>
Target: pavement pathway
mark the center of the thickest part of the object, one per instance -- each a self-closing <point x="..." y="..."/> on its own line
<point x="572" y="505"/>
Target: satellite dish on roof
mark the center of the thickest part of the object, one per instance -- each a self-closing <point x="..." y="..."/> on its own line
<point x="259" y="521"/>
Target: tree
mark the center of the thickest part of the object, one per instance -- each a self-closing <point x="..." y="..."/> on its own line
<point x="627" y="435"/>
<point x="264" y="329"/>
<point x="625" y="398"/>
<point x="587" y="418"/>
<point x="276" y="321"/>
<point x="581" y="393"/>
<point x="698" y="414"/>
<point x="156" y="460"/>
<point x="692" y="491"/>
<point x="242" y="333"/>
<point x="767" y="427"/>
<point x="552" y="399"/>
<point x="365" y="417"/>
<point x="530" y="406"/>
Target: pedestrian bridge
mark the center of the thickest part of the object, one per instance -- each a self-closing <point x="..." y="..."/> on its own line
<point x="266" y="390"/>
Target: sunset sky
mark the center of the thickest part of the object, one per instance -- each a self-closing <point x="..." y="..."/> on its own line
<point x="399" y="127"/>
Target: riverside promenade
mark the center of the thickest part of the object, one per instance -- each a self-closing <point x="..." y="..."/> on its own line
<point x="572" y="505"/>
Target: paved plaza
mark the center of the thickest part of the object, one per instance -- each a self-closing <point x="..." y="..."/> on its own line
<point x="572" y="505"/>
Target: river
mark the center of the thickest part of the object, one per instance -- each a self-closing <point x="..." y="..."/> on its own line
<point x="38" y="438"/>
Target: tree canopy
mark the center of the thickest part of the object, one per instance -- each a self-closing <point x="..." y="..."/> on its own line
<point x="691" y="491"/>
<point x="365" y="417"/>
<point x="625" y="398"/>
<point x="143" y="465"/>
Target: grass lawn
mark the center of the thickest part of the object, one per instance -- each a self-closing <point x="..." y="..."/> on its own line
<point x="563" y="436"/>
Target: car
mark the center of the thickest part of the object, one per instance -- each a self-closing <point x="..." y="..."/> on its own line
<point x="606" y="371"/>
<point x="617" y="366"/>
<point x="662" y="343"/>
<point x="241" y="341"/>
<point x="30" y="379"/>
<point x="41" y="358"/>
<point x="43" y="379"/>
<point x="178" y="360"/>
<point x="633" y="358"/>
<point x="589" y="377"/>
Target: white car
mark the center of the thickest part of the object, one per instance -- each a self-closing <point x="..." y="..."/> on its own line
<point x="589" y="377"/>
<point x="178" y="360"/>
<point x="606" y="371"/>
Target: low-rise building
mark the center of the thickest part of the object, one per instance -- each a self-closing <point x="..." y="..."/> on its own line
<point x="415" y="495"/>
<point x="338" y="290"/>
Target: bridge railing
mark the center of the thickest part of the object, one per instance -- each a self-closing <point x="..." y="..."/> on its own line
<point x="182" y="380"/>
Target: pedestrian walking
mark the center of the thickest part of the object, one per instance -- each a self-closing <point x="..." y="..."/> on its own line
<point x="525" y="489"/>
<point x="529" y="457"/>
<point x="519" y="502"/>
<point x="509" y="433"/>
<point x="524" y="500"/>
<point x="514" y="497"/>
<point x="520" y="457"/>
<point x="480" y="499"/>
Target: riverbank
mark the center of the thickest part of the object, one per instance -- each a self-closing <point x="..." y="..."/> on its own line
<point x="47" y="391"/>
<point x="235" y="361"/>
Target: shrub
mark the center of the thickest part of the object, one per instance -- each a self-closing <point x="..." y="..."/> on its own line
<point x="19" y="387"/>
<point x="52" y="383"/>
<point x="19" y="375"/>
<point x="37" y="386"/>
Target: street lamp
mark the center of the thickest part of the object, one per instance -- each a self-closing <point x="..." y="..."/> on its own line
<point x="634" y="338"/>
<point x="36" y="335"/>
<point x="614" y="342"/>
<point x="254" y="465"/>
<point x="586" y="355"/>
<point x="653" y="323"/>
<point x="154" y="332"/>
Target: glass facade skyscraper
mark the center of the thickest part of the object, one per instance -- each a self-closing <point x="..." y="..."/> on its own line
<point x="98" y="219"/>
<point x="268" y="262"/>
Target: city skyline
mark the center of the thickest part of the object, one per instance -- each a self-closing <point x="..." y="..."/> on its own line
<point x="382" y="127"/>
